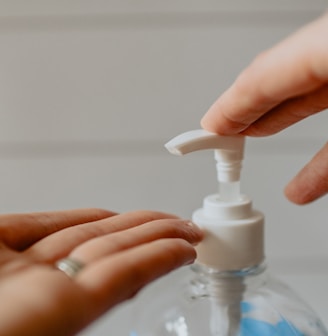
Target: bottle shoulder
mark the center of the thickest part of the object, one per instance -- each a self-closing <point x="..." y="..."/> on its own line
<point x="190" y="300"/>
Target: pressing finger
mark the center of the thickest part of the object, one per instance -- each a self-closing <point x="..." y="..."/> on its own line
<point x="285" y="71"/>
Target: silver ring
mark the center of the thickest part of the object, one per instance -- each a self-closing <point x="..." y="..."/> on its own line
<point x="69" y="266"/>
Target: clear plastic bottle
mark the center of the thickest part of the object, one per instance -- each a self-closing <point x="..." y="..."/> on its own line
<point x="208" y="302"/>
<point x="228" y="292"/>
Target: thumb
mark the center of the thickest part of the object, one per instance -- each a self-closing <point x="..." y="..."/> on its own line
<point x="312" y="181"/>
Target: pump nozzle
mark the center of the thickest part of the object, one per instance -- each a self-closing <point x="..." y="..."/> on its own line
<point x="229" y="151"/>
<point x="200" y="139"/>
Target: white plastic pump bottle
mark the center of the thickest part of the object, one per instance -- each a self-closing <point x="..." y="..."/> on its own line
<point x="228" y="291"/>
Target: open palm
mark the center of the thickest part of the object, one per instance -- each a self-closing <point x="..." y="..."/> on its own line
<point x="121" y="254"/>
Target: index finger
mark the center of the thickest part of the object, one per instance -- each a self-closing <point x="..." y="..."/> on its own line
<point x="294" y="67"/>
<point x="19" y="231"/>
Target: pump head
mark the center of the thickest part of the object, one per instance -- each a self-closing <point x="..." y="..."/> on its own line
<point x="228" y="152"/>
<point x="233" y="230"/>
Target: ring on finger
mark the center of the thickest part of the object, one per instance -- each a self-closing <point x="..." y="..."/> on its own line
<point x="71" y="267"/>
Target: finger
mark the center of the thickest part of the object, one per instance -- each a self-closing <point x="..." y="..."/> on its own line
<point x="294" y="67"/>
<point x="312" y="181"/>
<point x="61" y="243"/>
<point x="109" y="244"/>
<point x="19" y="231"/>
<point x="116" y="278"/>
<point x="289" y="113"/>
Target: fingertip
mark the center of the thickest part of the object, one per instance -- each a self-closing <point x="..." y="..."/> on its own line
<point x="208" y="121"/>
<point x="203" y="122"/>
<point x="298" y="195"/>
<point x="311" y="182"/>
<point x="213" y="122"/>
<point x="301" y="199"/>
<point x="189" y="252"/>
<point x="198" y="232"/>
<point x="293" y="196"/>
<point x="219" y="118"/>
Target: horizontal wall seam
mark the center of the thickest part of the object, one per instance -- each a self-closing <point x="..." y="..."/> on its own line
<point x="85" y="148"/>
<point x="167" y="20"/>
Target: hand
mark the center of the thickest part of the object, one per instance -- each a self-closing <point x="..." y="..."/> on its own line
<point x="121" y="254"/>
<point x="281" y="87"/>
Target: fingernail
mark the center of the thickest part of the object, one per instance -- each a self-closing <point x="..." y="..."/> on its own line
<point x="189" y="262"/>
<point x="195" y="228"/>
<point x="193" y="225"/>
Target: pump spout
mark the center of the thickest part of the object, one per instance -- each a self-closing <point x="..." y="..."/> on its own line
<point x="200" y="139"/>
<point x="229" y="152"/>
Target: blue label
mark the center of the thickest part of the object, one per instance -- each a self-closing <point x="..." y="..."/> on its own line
<point x="252" y="327"/>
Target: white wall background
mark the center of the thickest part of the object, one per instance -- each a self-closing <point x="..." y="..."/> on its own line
<point x="90" y="91"/>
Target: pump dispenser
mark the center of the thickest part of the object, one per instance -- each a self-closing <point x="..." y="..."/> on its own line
<point x="228" y="291"/>
<point x="233" y="230"/>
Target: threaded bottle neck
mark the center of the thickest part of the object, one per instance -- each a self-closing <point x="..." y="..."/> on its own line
<point x="220" y="284"/>
<point x="225" y="290"/>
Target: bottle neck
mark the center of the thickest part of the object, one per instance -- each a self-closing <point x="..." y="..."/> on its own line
<point x="227" y="285"/>
<point x="225" y="292"/>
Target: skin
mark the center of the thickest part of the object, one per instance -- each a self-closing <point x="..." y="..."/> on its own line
<point x="121" y="252"/>
<point x="282" y="86"/>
